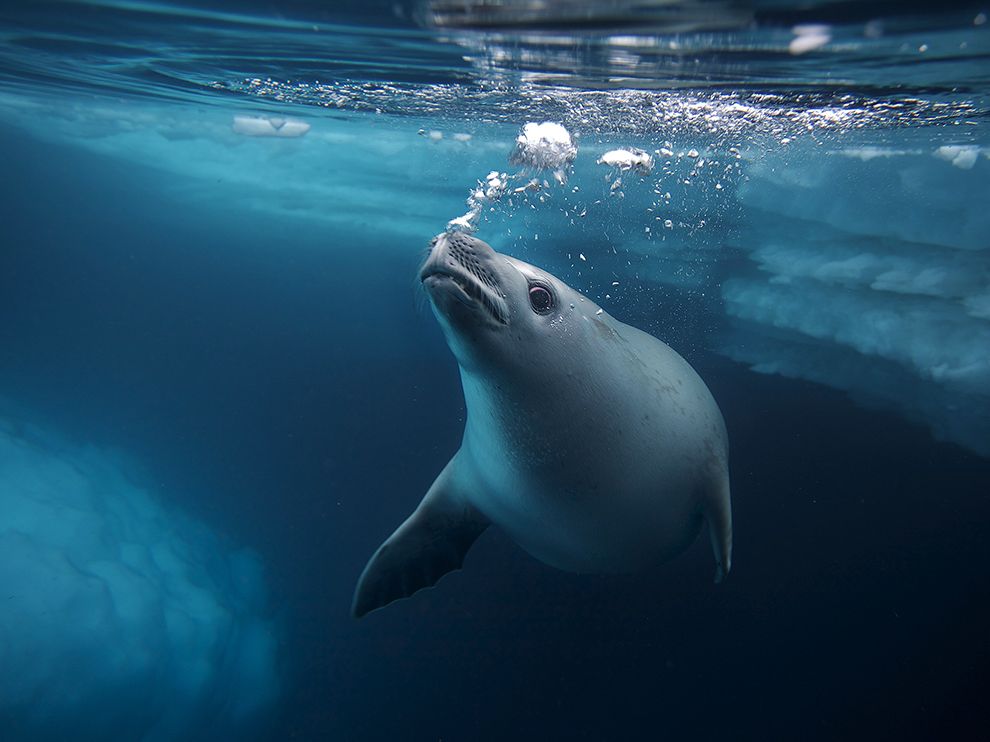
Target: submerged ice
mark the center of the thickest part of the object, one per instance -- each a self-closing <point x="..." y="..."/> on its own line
<point x="121" y="618"/>
<point x="872" y="276"/>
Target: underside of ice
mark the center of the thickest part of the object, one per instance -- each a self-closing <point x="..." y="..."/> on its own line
<point x="871" y="274"/>
<point x="121" y="619"/>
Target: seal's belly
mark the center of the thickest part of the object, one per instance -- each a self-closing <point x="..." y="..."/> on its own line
<point x="613" y="524"/>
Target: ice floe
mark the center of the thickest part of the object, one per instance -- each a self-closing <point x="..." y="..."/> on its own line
<point x="270" y="126"/>
<point x="631" y="158"/>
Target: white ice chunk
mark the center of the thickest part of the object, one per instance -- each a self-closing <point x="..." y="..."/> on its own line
<point x="808" y="38"/>
<point x="269" y="126"/>
<point x="963" y="156"/>
<point x="629" y="158"/>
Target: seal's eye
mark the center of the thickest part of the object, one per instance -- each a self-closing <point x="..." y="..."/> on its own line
<point x="540" y="298"/>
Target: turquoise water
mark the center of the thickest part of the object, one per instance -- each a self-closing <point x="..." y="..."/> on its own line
<point x="221" y="386"/>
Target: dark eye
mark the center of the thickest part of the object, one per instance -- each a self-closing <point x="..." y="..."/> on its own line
<point x="540" y="298"/>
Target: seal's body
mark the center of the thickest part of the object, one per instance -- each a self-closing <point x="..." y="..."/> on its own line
<point x="595" y="446"/>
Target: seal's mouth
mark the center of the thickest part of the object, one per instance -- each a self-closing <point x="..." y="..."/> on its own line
<point x="462" y="268"/>
<point x="467" y="292"/>
<point x="465" y="289"/>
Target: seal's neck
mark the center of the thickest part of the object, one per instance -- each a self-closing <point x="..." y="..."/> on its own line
<point x="490" y="410"/>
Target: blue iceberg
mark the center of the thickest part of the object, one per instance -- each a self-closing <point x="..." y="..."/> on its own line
<point x="121" y="618"/>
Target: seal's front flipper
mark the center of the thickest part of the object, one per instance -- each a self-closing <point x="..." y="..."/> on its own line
<point x="431" y="543"/>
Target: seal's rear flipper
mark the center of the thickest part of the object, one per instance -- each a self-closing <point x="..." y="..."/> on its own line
<point x="718" y="513"/>
<point x="431" y="543"/>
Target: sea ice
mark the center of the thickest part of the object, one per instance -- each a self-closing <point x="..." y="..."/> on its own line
<point x="269" y="126"/>
<point x="809" y="37"/>
<point x="121" y="618"/>
<point x="963" y="156"/>
<point x="628" y="159"/>
<point x="872" y="275"/>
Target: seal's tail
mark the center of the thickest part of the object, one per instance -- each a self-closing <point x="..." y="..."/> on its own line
<point x="718" y="513"/>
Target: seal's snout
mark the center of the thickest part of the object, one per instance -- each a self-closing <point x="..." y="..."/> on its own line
<point x="469" y="264"/>
<point x="458" y="251"/>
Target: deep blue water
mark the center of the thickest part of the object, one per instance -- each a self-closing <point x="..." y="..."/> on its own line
<point x="221" y="387"/>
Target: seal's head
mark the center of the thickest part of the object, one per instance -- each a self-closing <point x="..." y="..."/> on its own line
<point x="491" y="305"/>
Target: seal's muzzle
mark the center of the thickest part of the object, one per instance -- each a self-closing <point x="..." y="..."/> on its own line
<point x="463" y="266"/>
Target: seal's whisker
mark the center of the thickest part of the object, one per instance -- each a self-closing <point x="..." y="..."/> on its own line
<point x="422" y="300"/>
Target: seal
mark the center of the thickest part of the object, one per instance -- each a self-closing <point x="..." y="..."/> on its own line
<point x="594" y="445"/>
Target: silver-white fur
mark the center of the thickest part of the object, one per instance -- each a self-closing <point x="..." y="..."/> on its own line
<point x="594" y="445"/>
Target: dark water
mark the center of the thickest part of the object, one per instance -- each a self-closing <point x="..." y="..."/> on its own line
<point x="230" y="327"/>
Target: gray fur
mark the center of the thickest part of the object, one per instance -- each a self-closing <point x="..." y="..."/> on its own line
<point x="595" y="446"/>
